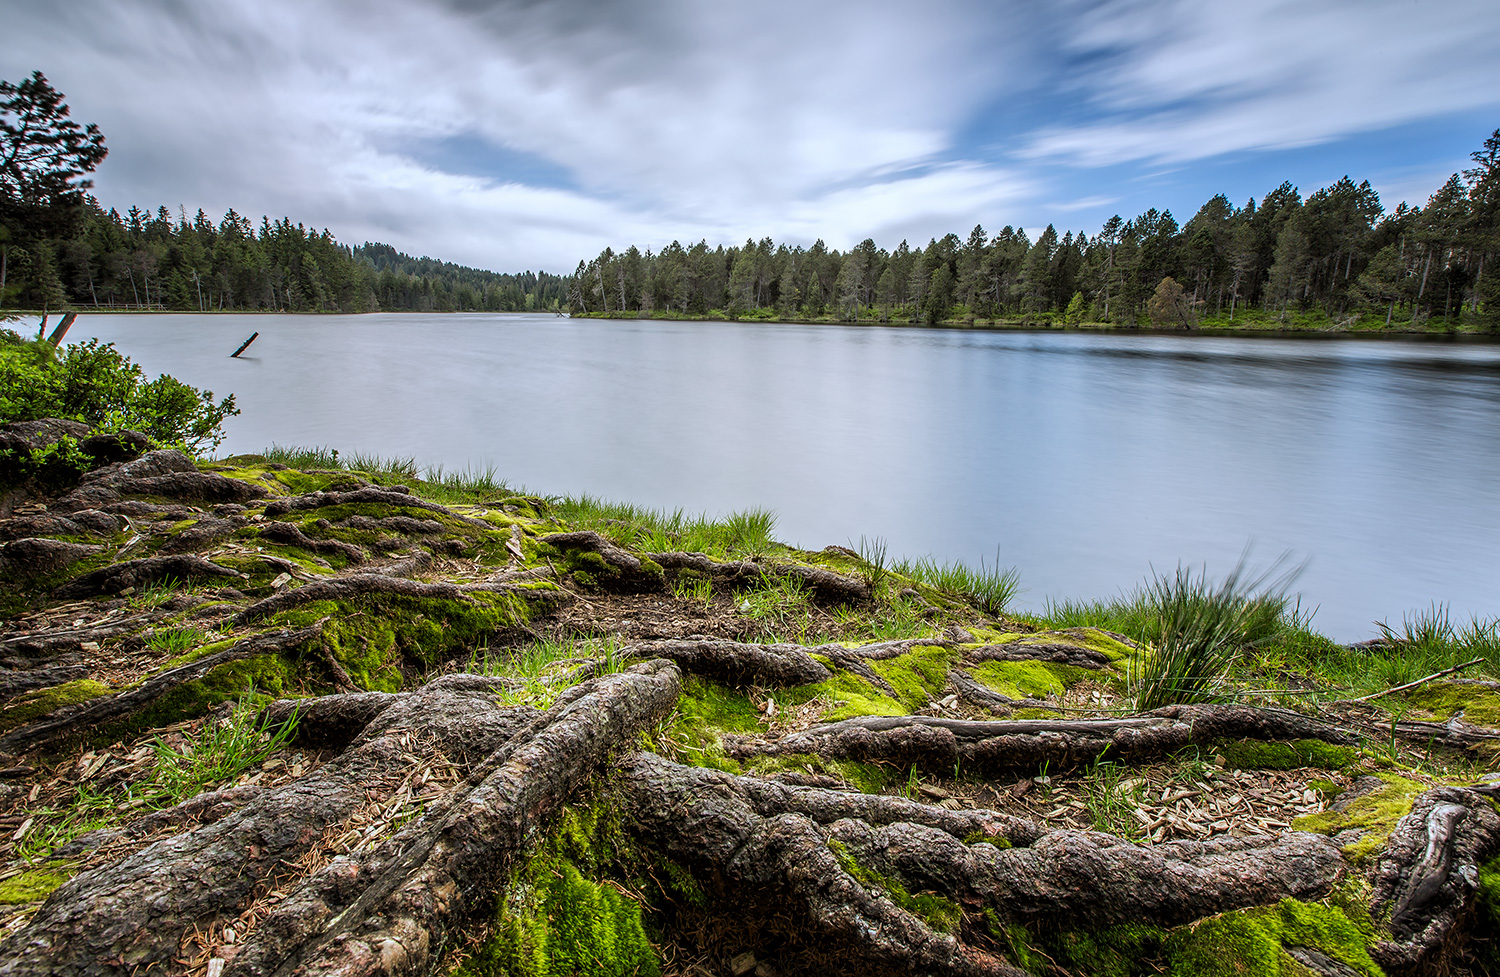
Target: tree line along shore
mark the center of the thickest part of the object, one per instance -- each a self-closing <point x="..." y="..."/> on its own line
<point x="1335" y="261"/>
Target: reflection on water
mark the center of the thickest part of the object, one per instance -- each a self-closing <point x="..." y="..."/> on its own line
<point x="1084" y="460"/>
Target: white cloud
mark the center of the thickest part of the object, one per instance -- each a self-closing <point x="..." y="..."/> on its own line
<point x="1184" y="80"/>
<point x="674" y="120"/>
<point x="681" y="119"/>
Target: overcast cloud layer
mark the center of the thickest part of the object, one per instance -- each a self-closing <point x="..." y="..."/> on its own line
<point x="513" y="134"/>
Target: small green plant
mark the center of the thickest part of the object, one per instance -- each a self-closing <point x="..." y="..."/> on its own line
<point x="89" y="811"/>
<point x="872" y="559"/>
<point x="153" y="595"/>
<point x="698" y="590"/>
<point x="913" y="784"/>
<point x="1111" y="798"/>
<point x="1199" y="629"/>
<point x="783" y="605"/>
<point x="175" y="641"/>
<point x="221" y="749"/>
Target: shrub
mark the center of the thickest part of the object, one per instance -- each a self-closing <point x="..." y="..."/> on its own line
<point x="93" y="383"/>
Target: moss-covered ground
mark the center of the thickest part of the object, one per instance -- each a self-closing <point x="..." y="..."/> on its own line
<point x="585" y="900"/>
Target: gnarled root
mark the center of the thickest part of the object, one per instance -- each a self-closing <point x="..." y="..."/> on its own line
<point x="842" y="864"/>
<point x="1427" y="881"/>
<point x="387" y="910"/>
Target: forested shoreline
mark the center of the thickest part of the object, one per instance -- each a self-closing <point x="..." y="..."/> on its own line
<point x="1335" y="258"/>
<point x="157" y="261"/>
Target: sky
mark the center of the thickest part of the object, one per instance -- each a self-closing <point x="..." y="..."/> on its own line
<point x="528" y="134"/>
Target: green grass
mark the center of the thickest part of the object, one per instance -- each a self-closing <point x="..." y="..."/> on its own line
<point x="219" y="752"/>
<point x="175" y="641"/>
<point x="989" y="588"/>
<point x="1423" y="644"/>
<point x="1112" y="793"/>
<point x="156" y="594"/>
<point x="737" y="535"/>
<point x="873" y="564"/>
<point x="468" y="485"/>
<point x="1199" y="629"/>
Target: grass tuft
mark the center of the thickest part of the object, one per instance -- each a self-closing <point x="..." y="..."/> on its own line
<point x="1199" y="629"/>
<point x="989" y="588"/>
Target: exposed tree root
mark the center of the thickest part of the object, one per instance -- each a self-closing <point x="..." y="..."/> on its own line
<point x="735" y="663"/>
<point x="371" y="495"/>
<point x="122" y="704"/>
<point x="825" y="856"/>
<point x="825" y="585"/>
<point x="136" y="574"/>
<point x="1427" y="880"/>
<point x="399" y="820"/>
<point x="935" y="744"/>
<point x="133" y="913"/>
<point x="289" y="535"/>
<point x="359" y="584"/>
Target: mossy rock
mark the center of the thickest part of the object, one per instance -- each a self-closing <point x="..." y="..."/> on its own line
<point x="37" y="703"/>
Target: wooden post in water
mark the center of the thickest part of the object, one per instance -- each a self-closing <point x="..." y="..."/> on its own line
<point x="245" y="345"/>
<point x="62" y="329"/>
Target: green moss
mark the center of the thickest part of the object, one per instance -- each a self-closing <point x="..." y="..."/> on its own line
<point x="40" y="702"/>
<point x="1030" y="680"/>
<point x="1375" y="814"/>
<point x="560" y="916"/>
<point x="941" y="915"/>
<point x="1489" y="913"/>
<point x="1096" y="640"/>
<point x="919" y="675"/>
<point x="261" y="679"/>
<point x="853" y="696"/>
<point x="1117" y="951"/>
<point x="1480" y="706"/>
<point x="34" y="885"/>
<point x="558" y="922"/>
<point x="982" y="837"/>
<point x="1253" y="942"/>
<point x="305" y="483"/>
<point x="373" y="636"/>
<point x="706" y="711"/>
<point x="1261" y="755"/>
<point x="869" y="778"/>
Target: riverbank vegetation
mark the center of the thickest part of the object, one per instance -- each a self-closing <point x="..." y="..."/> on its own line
<point x="1336" y="260"/>
<point x="523" y="734"/>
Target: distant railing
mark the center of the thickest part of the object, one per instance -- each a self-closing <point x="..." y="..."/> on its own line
<point x="120" y="307"/>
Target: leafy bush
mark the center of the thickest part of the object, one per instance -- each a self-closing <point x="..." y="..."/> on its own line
<point x="93" y="383"/>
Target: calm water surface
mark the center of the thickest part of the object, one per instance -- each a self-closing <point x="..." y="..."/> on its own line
<point x="1083" y="459"/>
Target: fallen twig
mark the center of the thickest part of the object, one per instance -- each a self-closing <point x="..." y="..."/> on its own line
<point x="1420" y="681"/>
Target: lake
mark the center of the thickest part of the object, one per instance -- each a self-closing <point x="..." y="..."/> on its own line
<point x="1083" y="460"/>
